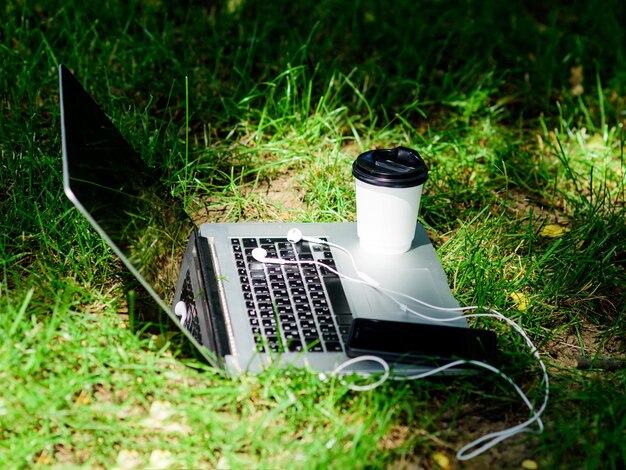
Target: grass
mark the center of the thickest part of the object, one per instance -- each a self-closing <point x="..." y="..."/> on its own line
<point x="525" y="205"/>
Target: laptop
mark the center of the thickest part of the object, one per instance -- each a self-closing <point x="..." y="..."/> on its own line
<point x="242" y="315"/>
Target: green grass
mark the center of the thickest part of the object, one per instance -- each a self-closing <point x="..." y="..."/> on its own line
<point x="277" y="99"/>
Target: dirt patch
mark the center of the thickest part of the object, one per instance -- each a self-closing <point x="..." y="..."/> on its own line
<point x="520" y="204"/>
<point x="587" y="341"/>
<point x="270" y="200"/>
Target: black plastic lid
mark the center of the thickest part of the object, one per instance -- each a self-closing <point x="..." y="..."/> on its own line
<point x="392" y="168"/>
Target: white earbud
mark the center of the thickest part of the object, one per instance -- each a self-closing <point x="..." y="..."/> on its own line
<point x="294" y="235"/>
<point x="260" y="254"/>
<point x="180" y="309"/>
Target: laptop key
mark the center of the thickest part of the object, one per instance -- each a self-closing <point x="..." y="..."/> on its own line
<point x="322" y="310"/>
<point x="318" y="300"/>
<point x="250" y="243"/>
<point x="299" y="293"/>
<point x="304" y="309"/>
<point x="284" y="309"/>
<point x="327" y="273"/>
<point x="313" y="345"/>
<point x="294" y="345"/>
<point x="307" y="324"/>
<point x="344" y="320"/>
<point x="344" y="330"/>
<point x="300" y="300"/>
<point x="273" y="343"/>
<point x="265" y="307"/>
<point x="309" y="333"/>
<point x="303" y="248"/>
<point x="270" y="331"/>
<point x="330" y="337"/>
<point x="337" y="296"/>
<point x="289" y="326"/>
<point x="325" y="320"/>
<point x="291" y="335"/>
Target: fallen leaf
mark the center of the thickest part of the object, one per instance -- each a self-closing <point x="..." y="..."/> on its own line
<point x="43" y="459"/>
<point x="442" y="460"/>
<point x="520" y="300"/>
<point x="529" y="465"/>
<point x="553" y="231"/>
<point x="82" y="398"/>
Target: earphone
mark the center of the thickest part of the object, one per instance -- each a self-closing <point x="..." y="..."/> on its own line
<point x="260" y="254"/>
<point x="180" y="309"/>
<point x="294" y="235"/>
<point x="481" y="444"/>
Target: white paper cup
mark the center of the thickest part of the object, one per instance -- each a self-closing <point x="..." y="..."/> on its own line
<point x="388" y="192"/>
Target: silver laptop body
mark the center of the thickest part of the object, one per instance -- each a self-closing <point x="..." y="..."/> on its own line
<point x="227" y="312"/>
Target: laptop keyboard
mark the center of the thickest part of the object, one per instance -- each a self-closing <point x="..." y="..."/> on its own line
<point x="292" y="307"/>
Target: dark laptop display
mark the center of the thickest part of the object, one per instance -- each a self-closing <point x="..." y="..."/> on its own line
<point x="122" y="194"/>
<point x="129" y="206"/>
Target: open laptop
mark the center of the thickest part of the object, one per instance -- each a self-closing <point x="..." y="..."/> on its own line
<point x="241" y="314"/>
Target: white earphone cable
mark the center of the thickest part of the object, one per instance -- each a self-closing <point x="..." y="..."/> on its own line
<point x="483" y="443"/>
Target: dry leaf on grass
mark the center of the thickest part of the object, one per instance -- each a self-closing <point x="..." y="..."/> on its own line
<point x="442" y="460"/>
<point x="529" y="465"/>
<point x="553" y="231"/>
<point x="520" y="300"/>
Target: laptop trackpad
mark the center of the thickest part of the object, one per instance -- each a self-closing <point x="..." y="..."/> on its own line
<point x="417" y="283"/>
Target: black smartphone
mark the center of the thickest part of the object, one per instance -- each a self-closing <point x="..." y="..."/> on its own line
<point x="419" y="343"/>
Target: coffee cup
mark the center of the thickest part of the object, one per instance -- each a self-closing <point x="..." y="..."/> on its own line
<point x="388" y="191"/>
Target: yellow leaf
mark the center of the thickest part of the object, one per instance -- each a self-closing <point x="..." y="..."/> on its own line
<point x="442" y="460"/>
<point x="553" y="231"/>
<point x="43" y="459"/>
<point x="520" y="299"/>
<point x="82" y="398"/>
<point x="529" y="465"/>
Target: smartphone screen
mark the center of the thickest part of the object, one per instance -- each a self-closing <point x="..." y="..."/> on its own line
<point x="422" y="343"/>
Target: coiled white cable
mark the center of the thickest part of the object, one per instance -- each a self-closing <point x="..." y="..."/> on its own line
<point x="483" y="443"/>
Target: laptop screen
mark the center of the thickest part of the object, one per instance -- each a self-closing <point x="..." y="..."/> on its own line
<point x="120" y="195"/>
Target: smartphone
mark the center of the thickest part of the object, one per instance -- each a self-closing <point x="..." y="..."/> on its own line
<point x="419" y="343"/>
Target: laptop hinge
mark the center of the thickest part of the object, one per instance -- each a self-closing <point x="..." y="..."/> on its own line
<point x="204" y="316"/>
<point x="216" y="309"/>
